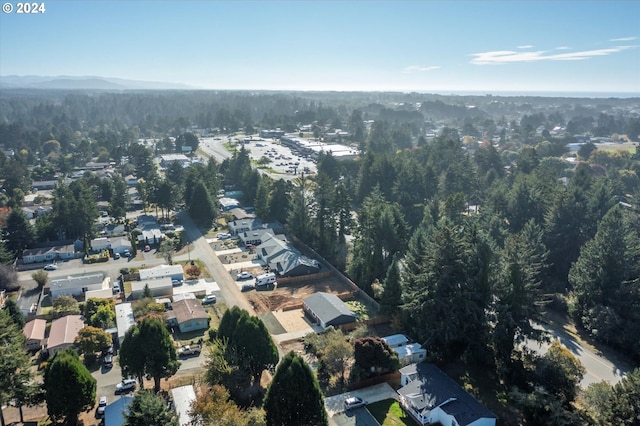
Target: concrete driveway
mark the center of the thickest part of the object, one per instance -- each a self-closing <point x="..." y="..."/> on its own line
<point x="379" y="392"/>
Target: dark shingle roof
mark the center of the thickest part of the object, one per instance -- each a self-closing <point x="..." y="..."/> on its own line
<point x="431" y="387"/>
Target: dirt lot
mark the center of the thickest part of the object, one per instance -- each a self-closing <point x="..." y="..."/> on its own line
<point x="292" y="294"/>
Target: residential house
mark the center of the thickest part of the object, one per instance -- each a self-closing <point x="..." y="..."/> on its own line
<point x="175" y="272"/>
<point x="327" y="309"/>
<point x="98" y="245"/>
<point x="120" y="245"/>
<point x="124" y="319"/>
<point x="255" y="236"/>
<point x="48" y="254"/>
<point x="34" y="331"/>
<point x="114" y="413"/>
<point x="408" y="353"/>
<point x="76" y="285"/>
<point x="227" y="203"/>
<point x="188" y="315"/>
<point x="240" y="214"/>
<point x="63" y="332"/>
<point x="284" y="259"/>
<point x="159" y="287"/>
<point x="243" y="225"/>
<point x="131" y="180"/>
<point x="183" y="397"/>
<point x="430" y="396"/>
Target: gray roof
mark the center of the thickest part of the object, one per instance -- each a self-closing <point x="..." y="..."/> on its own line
<point x="327" y="306"/>
<point x="431" y="388"/>
<point x="77" y="281"/>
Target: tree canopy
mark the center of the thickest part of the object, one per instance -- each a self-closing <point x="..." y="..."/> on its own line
<point x="69" y="387"/>
<point x="294" y="397"/>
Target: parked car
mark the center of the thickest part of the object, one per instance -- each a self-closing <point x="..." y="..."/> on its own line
<point x="126" y="385"/>
<point x="244" y="275"/>
<point x="354" y="402"/>
<point x="102" y="405"/>
<point x="116" y="256"/>
<point x="223" y="236"/>
<point x="248" y="287"/>
<point x="190" y="350"/>
<point x="51" y="267"/>
<point x="210" y="299"/>
<point x="177" y="283"/>
<point x="108" y="361"/>
<point x="147" y="248"/>
<point x="116" y="288"/>
<point x="126" y="253"/>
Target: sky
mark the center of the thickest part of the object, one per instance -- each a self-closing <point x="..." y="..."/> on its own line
<point x="424" y="46"/>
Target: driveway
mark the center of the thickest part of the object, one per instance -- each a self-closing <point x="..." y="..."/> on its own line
<point x="379" y="392"/>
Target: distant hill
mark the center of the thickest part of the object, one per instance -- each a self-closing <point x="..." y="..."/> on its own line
<point x="84" y="83"/>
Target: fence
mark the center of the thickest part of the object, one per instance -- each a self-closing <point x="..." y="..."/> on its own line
<point x="306" y="250"/>
<point x="390" y="377"/>
<point x="372" y="321"/>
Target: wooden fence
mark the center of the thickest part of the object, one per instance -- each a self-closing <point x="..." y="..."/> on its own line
<point x="390" y="377"/>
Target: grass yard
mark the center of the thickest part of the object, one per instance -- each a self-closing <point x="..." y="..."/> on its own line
<point x="389" y="413"/>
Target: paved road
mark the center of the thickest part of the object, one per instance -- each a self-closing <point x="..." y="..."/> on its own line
<point x="599" y="366"/>
<point x="203" y="251"/>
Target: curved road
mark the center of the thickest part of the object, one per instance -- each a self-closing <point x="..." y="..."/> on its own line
<point x="599" y="365"/>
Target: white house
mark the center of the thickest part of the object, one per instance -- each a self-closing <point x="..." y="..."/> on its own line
<point x="430" y="396"/>
<point x="408" y="353"/>
<point x="78" y="284"/>
<point x="48" y="254"/>
<point x="175" y="272"/>
<point x="159" y="287"/>
<point x="124" y="319"/>
<point x="100" y="244"/>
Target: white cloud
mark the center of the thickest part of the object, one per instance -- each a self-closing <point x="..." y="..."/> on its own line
<point x="526" y="46"/>
<point x="623" y="39"/>
<point x="505" y="56"/>
<point x="418" y="68"/>
<point x="563" y="48"/>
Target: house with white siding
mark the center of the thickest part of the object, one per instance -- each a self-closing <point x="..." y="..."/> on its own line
<point x="432" y="397"/>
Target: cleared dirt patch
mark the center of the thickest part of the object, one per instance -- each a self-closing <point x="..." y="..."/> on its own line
<point x="288" y="296"/>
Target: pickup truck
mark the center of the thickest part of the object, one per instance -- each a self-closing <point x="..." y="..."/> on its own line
<point x="189" y="350"/>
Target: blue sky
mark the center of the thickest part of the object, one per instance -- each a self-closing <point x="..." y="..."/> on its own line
<point x="433" y="46"/>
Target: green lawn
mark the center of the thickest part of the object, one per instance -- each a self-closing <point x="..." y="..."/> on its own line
<point x="389" y="413"/>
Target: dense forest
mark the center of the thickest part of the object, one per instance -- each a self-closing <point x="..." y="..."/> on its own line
<point x="466" y="217"/>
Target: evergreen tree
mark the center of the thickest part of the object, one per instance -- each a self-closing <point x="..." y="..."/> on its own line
<point x="69" y="387"/>
<point x="159" y="359"/>
<point x="294" y="397"/>
<point x="392" y="294"/>
<point x="254" y="346"/>
<point x="517" y="300"/>
<point x="201" y="207"/>
<point x="19" y="233"/>
<point x="149" y="409"/>
<point x="445" y="289"/>
<point x="14" y="312"/>
<point x="15" y="374"/>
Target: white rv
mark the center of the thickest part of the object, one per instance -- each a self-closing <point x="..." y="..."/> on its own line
<point x="266" y="279"/>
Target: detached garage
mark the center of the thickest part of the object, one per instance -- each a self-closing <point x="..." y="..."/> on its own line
<point x="327" y="309"/>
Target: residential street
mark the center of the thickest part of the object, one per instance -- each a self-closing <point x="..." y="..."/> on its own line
<point x="599" y="365"/>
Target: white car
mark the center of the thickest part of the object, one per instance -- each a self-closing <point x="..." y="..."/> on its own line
<point x="223" y="236"/>
<point x="244" y="275"/>
<point x="354" y="402"/>
<point x="126" y="385"/>
<point x="51" y="267"/>
<point x="102" y="405"/>
<point x="210" y="299"/>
